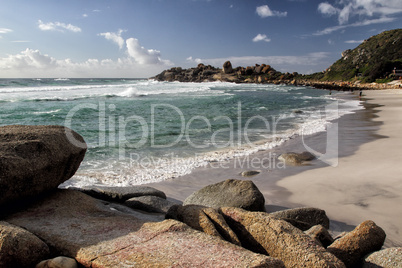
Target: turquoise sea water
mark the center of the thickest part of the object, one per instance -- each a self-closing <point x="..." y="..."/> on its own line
<point x="141" y="131"/>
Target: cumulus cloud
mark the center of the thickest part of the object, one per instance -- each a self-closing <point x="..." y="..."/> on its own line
<point x="115" y="37"/>
<point x="327" y="9"/>
<point x="33" y="63"/>
<point x="363" y="9"/>
<point x="142" y="55"/>
<point x="58" y="26"/>
<point x="261" y="37"/>
<point x="264" y="11"/>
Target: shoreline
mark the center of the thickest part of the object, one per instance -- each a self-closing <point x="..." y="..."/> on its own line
<point x="366" y="184"/>
<point x="355" y="131"/>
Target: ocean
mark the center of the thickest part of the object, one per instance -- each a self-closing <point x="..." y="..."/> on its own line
<point x="142" y="131"/>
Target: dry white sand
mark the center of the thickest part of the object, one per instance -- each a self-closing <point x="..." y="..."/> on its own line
<point x="366" y="185"/>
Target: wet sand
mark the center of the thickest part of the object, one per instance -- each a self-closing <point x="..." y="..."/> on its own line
<point x="365" y="184"/>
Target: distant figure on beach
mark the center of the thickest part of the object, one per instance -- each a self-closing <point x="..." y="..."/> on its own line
<point x="330" y="92"/>
<point x="360" y="93"/>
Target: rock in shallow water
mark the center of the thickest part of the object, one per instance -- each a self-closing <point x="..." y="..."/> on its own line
<point x="36" y="159"/>
<point x="83" y="228"/>
<point x="229" y="193"/>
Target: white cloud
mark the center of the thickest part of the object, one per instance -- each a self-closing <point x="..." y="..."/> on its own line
<point x="363" y="9"/>
<point x="261" y="37"/>
<point x="197" y="60"/>
<point x="33" y="63"/>
<point x="264" y="11"/>
<point x="142" y="55"/>
<point x="58" y="26"/>
<point x="5" y="30"/>
<point x="327" y="9"/>
<point x="115" y="37"/>
<point x="356" y="24"/>
<point x="354" y="41"/>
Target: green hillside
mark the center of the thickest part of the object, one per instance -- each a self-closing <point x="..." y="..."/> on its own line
<point x="372" y="60"/>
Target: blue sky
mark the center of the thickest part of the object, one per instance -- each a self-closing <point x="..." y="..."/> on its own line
<point x="140" y="38"/>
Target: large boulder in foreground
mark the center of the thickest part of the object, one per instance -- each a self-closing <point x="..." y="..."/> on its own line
<point x="84" y="228"/>
<point x="260" y="232"/>
<point x="229" y="193"/>
<point x="19" y="248"/>
<point x="205" y="219"/>
<point x="351" y="248"/>
<point x="36" y="159"/>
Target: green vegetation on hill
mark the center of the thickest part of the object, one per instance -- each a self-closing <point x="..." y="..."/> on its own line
<point x="374" y="59"/>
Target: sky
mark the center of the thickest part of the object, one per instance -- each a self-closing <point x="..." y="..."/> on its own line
<point x="141" y="38"/>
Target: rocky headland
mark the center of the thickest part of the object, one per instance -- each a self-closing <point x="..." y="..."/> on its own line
<point x="220" y="225"/>
<point x="375" y="64"/>
<point x="262" y="74"/>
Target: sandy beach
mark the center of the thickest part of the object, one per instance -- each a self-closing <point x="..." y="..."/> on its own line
<point x="364" y="185"/>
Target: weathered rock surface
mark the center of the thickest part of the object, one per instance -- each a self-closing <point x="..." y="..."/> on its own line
<point x="364" y="239"/>
<point x="36" y="159"/>
<point x="229" y="193"/>
<point x="250" y="173"/>
<point x="321" y="234"/>
<point x="83" y="228"/>
<point x="389" y="258"/>
<point x="227" y="67"/>
<point x="260" y="232"/>
<point x="311" y="216"/>
<point x="205" y="219"/>
<point x="120" y="194"/>
<point x="19" y="248"/>
<point x="296" y="158"/>
<point x="58" y="262"/>
<point x="150" y="203"/>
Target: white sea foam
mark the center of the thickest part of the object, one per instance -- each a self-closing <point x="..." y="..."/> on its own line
<point x="152" y="170"/>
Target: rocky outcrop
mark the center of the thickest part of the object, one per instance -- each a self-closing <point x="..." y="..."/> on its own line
<point x="364" y="239"/>
<point x="150" y="203"/>
<point x="81" y="227"/>
<point x="227" y="67"/>
<point x="19" y="248"/>
<point x="207" y="220"/>
<point x="389" y="258"/>
<point x="58" y="262"/>
<point x="260" y="232"/>
<point x="310" y="216"/>
<point x="120" y="194"/>
<point x="36" y="159"/>
<point x="229" y="193"/>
